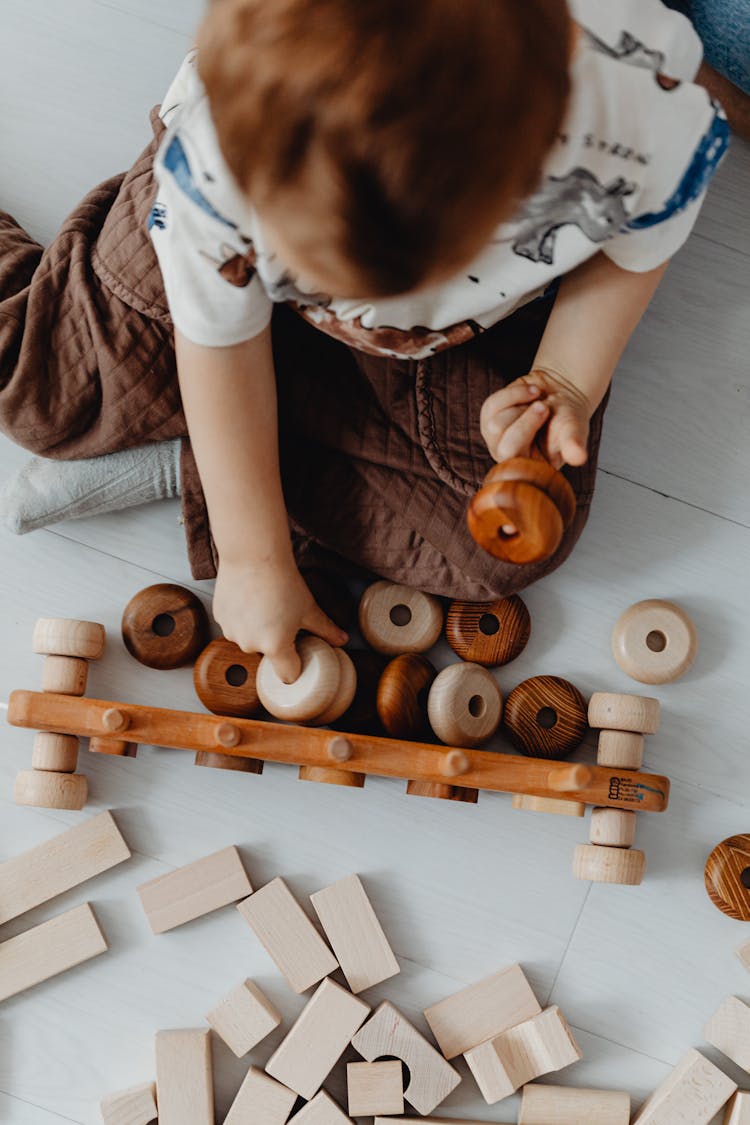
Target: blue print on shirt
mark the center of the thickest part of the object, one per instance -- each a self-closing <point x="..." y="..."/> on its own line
<point x="175" y="161"/>
<point x="705" y="161"/>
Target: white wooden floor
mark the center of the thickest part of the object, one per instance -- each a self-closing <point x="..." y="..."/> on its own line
<point x="461" y="890"/>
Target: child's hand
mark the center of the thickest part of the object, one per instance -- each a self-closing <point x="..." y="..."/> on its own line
<point x="262" y="607"/>
<point x="511" y="419"/>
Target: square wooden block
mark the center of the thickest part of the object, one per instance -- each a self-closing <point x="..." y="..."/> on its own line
<point x="375" y="1088"/>
<point x="243" y="1018"/>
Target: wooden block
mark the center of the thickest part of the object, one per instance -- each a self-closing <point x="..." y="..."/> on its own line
<point x="692" y="1094"/>
<point x="184" y="1078"/>
<point x="539" y="1046"/>
<point x="612" y="711"/>
<point x="376" y="1087"/>
<point x="566" y="1105"/>
<point x="548" y="805"/>
<point x="56" y="752"/>
<point x="288" y="935"/>
<point x="389" y="1035"/>
<point x="194" y="890"/>
<point x="729" y="1031"/>
<point x="322" y="1110"/>
<point x="620" y="749"/>
<point x="47" y="790"/>
<point x="744" y="955"/>
<point x="58" y="636"/>
<point x="357" y="938"/>
<point x="318" y="1039"/>
<point x="243" y="1018"/>
<point x="260" y="1101"/>
<point x="738" y="1110"/>
<point x="61" y="863"/>
<point x="482" y="1011"/>
<point x="65" y="674"/>
<point x="609" y="865"/>
<point x="55" y="946"/>
<point x="136" y="1106"/>
<point x="612" y="828"/>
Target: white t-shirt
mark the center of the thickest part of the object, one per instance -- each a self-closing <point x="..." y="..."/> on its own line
<point x="626" y="176"/>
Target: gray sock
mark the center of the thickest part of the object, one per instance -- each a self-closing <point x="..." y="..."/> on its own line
<point x="43" y="492"/>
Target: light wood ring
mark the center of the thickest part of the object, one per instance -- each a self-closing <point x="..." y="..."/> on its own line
<point x="654" y="642"/>
<point x="464" y="705"/>
<point x="625" y="866"/>
<point x="312" y="692"/>
<point x="61" y="636"/>
<point x="165" y="626"/>
<point x="610" y="710"/>
<point x="394" y="619"/>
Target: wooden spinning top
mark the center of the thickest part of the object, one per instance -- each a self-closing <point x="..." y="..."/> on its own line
<point x="520" y="513"/>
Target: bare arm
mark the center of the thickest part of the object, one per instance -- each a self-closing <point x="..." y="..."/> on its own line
<point x="229" y="397"/>
<point x="596" y="311"/>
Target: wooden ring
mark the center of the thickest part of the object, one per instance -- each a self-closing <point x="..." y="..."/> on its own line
<point x="540" y="473"/>
<point x="488" y="633"/>
<point x="312" y="692"/>
<point x="625" y="866"/>
<point x="402" y="696"/>
<point x="654" y="642"/>
<point x="224" y="677"/>
<point x="727" y="877"/>
<point x="165" y="626"/>
<point x="546" y="717"/>
<point x="464" y="705"/>
<point x="47" y="790"/>
<point x="609" y="710"/>
<point x="61" y="636"/>
<point x="537" y="520"/>
<point x="394" y="619"/>
<point x="345" y="692"/>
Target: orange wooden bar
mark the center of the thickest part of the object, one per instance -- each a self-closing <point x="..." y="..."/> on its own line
<point x="306" y="746"/>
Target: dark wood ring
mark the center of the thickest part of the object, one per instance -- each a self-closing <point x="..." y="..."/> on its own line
<point x="165" y="626"/>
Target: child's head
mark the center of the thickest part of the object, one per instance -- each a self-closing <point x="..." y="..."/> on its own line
<point x="381" y="141"/>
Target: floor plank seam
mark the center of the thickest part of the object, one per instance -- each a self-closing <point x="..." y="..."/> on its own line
<point x="676" y="499"/>
<point x="35" y="1105"/>
<point x="625" y="1046"/>
<point x="568" y="945"/>
<point x="145" y="19"/>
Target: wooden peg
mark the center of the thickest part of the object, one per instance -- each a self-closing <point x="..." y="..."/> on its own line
<point x="620" y="749"/>
<point x="545" y="717"/>
<point x="538" y="1046"/>
<point x="184" y="1077"/>
<point x="47" y="790"/>
<point x="613" y="711"/>
<point x="402" y="696"/>
<point x="65" y="674"/>
<point x="396" y="619"/>
<point x="225" y="679"/>
<point x="261" y="1100"/>
<point x="313" y="691"/>
<point x="58" y="636"/>
<point x="115" y="747"/>
<point x="228" y="735"/>
<point x="376" y="1087"/>
<point x="340" y="749"/>
<point x="527" y="803"/>
<point x="612" y="828"/>
<point x="566" y="1105"/>
<point x="482" y="1011"/>
<point x="571" y="780"/>
<point x="692" y="1094"/>
<point x="488" y="633"/>
<point x="609" y="865"/>
<point x="729" y="1031"/>
<point x="454" y="763"/>
<point x="115" y="720"/>
<point x="387" y="1034"/>
<point x="57" y="752"/>
<point x="165" y="626"/>
<point x="654" y="642"/>
<point x="136" y="1106"/>
<point x="243" y="1018"/>
<point x="726" y="877"/>
<point x="318" y="1039"/>
<point x="355" y="934"/>
<point x="194" y="890"/>
<point x="464" y="705"/>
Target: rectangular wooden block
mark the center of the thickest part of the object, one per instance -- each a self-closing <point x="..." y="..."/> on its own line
<point x="389" y="1034"/>
<point x="738" y="1110"/>
<point x="566" y="1105"/>
<point x="355" y="934"/>
<point x="60" y="864"/>
<point x="184" y="1078"/>
<point x="482" y="1011"/>
<point x="288" y="935"/>
<point x="315" y="1043"/>
<point x="539" y="1046"/>
<point x="692" y="1094"/>
<point x="136" y="1106"/>
<point x="261" y="1101"/>
<point x="243" y="1018"/>
<point x="67" y="940"/>
<point x="322" y="1110"/>
<point x="376" y="1087"/>
<point x="194" y="890"/>
<point x="729" y="1030"/>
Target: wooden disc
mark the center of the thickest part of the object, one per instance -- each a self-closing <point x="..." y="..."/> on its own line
<point x="55" y="752"/>
<point x="543" y="475"/>
<point x="546" y="717"/>
<point x="311" y="693"/>
<point x="325" y="776"/>
<point x="609" y="865"/>
<point x="345" y="693"/>
<point x="115" y="747"/>
<point x="66" y="675"/>
<point x="402" y="697"/>
<point x="165" y="626"/>
<point x="442" y="792"/>
<point x="612" y="711"/>
<point x="394" y="619"/>
<point x="46" y="790"/>
<point x="620" y="749"/>
<point x="488" y="633"/>
<point x="225" y="679"/>
<point x="464" y="705"/>
<point x="612" y="828"/>
<point x="654" y="642"/>
<point x="217" y="761"/>
<point x="727" y="877"/>
<point x="59" y="636"/>
<point x="530" y="511"/>
<point x="362" y="715"/>
<point x="551" y="805"/>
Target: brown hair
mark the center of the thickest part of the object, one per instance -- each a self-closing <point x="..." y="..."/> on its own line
<point x="400" y="131"/>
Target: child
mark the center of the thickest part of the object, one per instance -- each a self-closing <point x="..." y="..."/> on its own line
<point x="401" y="186"/>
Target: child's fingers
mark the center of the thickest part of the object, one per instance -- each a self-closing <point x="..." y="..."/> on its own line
<point x="569" y="438"/>
<point x="286" y="663"/>
<point x="517" y="394"/>
<point x="319" y="623"/>
<point x="517" y="440"/>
